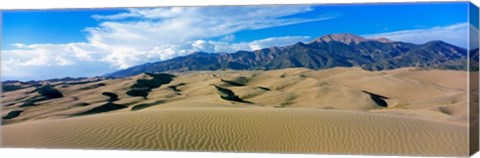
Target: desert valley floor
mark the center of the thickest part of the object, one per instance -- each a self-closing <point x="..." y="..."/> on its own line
<point x="405" y="111"/>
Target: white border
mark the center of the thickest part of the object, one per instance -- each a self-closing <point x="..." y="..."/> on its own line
<point x="49" y="4"/>
<point x="69" y="153"/>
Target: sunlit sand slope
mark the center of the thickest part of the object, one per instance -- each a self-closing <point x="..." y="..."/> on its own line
<point x="245" y="130"/>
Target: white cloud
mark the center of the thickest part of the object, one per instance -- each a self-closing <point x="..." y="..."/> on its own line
<point x="201" y="45"/>
<point x="19" y="62"/>
<point x="456" y="34"/>
<point x="48" y="54"/>
<point x="278" y="41"/>
<point x="225" y="47"/>
<point x="145" y="35"/>
<point x="18" y="45"/>
<point x="144" y="13"/>
<point x="62" y="61"/>
<point x="9" y="67"/>
<point x="170" y="30"/>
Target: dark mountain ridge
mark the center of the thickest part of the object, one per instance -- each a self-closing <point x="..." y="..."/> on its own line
<point x="334" y="50"/>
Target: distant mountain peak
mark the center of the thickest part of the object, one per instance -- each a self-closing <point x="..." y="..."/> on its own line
<point x="322" y="53"/>
<point x="349" y="38"/>
<point x="346" y="38"/>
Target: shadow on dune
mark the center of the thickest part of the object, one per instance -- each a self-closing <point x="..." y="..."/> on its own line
<point x="109" y="106"/>
<point x="103" y="108"/>
<point x="378" y="99"/>
<point x="237" y="82"/>
<point x="9" y="88"/>
<point x="49" y="92"/>
<point x="112" y="96"/>
<point x="46" y="92"/>
<point x="28" y="104"/>
<point x="228" y="94"/>
<point x="93" y="86"/>
<point x="143" y="86"/>
<point x="264" y="88"/>
<point x="12" y="114"/>
<point x="147" y="105"/>
<point x="175" y="88"/>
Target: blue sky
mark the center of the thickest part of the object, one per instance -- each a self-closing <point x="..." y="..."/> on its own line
<point x="48" y="26"/>
<point x="42" y="44"/>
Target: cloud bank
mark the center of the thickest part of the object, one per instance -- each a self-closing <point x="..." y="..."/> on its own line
<point x="145" y="35"/>
<point x="456" y="34"/>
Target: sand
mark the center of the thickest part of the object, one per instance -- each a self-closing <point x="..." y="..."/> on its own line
<point x="296" y="110"/>
<point x="245" y="130"/>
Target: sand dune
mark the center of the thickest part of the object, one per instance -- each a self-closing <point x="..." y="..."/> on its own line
<point x="245" y="130"/>
<point x="341" y="110"/>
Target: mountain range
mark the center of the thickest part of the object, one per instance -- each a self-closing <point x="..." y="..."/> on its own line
<point x="333" y="50"/>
